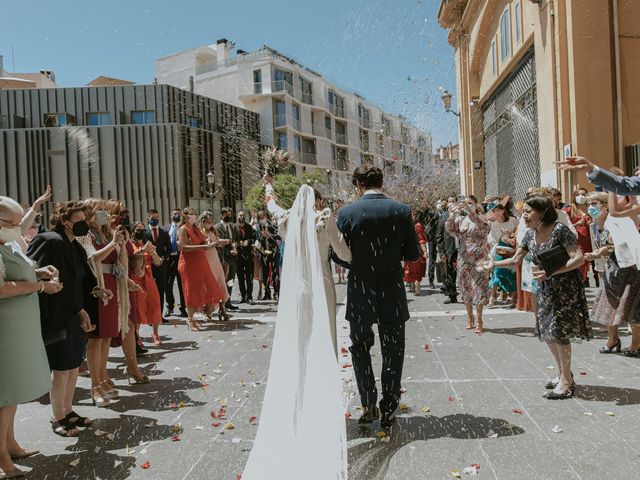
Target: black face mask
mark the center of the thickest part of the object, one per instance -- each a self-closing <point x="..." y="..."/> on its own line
<point x="176" y="218"/>
<point x="227" y="218"/>
<point x="241" y="220"/>
<point x="80" y="229"/>
<point x="138" y="234"/>
<point x="124" y="221"/>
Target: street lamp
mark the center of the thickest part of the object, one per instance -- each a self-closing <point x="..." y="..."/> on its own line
<point x="211" y="180"/>
<point x="446" y="99"/>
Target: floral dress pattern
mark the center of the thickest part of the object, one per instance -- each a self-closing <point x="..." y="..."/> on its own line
<point x="471" y="231"/>
<point x="563" y="314"/>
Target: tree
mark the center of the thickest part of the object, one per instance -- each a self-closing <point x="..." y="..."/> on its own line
<point x="286" y="188"/>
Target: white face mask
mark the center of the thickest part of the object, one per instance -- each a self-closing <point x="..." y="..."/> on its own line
<point x="102" y="218"/>
<point x="581" y="199"/>
<point x="10" y="234"/>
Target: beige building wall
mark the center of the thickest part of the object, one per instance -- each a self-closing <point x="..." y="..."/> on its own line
<point x="587" y="64"/>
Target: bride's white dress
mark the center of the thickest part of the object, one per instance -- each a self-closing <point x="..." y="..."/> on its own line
<point x="301" y="431"/>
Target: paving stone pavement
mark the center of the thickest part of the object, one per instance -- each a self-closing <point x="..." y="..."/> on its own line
<point x="483" y="395"/>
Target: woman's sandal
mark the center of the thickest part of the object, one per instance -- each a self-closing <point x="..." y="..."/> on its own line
<point x="23" y="454"/>
<point x="134" y="380"/>
<point x="63" y="428"/>
<point x="479" y="328"/>
<point x="78" y="420"/>
<point x="632" y="353"/>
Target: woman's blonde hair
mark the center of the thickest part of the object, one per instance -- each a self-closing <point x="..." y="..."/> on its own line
<point x="601" y="197"/>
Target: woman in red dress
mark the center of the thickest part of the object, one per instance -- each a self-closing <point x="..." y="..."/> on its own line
<point x="415" y="271"/>
<point x="201" y="291"/>
<point x="148" y="311"/>
<point x="581" y="220"/>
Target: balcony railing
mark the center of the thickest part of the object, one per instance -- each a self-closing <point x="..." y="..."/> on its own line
<point x="337" y="111"/>
<point x="365" y="122"/>
<point x="307" y="98"/>
<point x="280" y="120"/>
<point x="308" y="158"/>
<point x="341" y="138"/>
<point x="296" y="124"/>
<point x="321" y="131"/>
<point x="257" y="87"/>
<point x="281" y="86"/>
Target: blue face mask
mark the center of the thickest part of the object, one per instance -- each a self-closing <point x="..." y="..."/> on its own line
<point x="154" y="222"/>
<point x="594" y="212"/>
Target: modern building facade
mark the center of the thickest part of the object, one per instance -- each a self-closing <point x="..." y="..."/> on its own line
<point x="538" y="80"/>
<point x="150" y="146"/>
<point x="323" y="126"/>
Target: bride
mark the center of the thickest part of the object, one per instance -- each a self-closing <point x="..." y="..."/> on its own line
<point x="302" y="428"/>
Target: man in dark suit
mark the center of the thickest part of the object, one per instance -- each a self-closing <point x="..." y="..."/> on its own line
<point x="226" y="230"/>
<point x="430" y="220"/>
<point x="601" y="177"/>
<point x="268" y="238"/>
<point x="244" y="260"/>
<point x="381" y="234"/>
<point x="448" y="255"/>
<point x="162" y="242"/>
<point x="172" y="265"/>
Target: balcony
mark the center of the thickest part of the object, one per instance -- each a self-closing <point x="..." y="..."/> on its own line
<point x="365" y="122"/>
<point x="257" y="88"/>
<point x="308" y="158"/>
<point x="296" y="124"/>
<point x="281" y="86"/>
<point x="280" y="120"/>
<point x="341" y="138"/>
<point x="337" y="111"/>
<point x="307" y="98"/>
<point x="320" y="130"/>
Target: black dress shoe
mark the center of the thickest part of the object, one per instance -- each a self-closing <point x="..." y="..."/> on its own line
<point x="230" y="307"/>
<point x="168" y="313"/>
<point x="387" y="420"/>
<point x="251" y="302"/>
<point x="242" y="300"/>
<point x="369" y="415"/>
<point x="569" y="393"/>
<point x="183" y="313"/>
<point x="449" y="301"/>
<point x="140" y="350"/>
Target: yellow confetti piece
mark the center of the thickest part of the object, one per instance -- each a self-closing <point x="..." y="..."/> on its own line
<point x="229" y="426"/>
<point x="404" y="407"/>
<point x="426" y="409"/>
<point x="182" y="404"/>
<point x="381" y="434"/>
<point x="611" y="414"/>
<point x="75" y="463"/>
<point x="455" y="473"/>
<point x="588" y="414"/>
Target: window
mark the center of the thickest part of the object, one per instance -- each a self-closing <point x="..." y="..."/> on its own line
<point x="518" y="14"/>
<point x="296" y="116"/>
<point x="404" y="133"/>
<point x="192" y="121"/>
<point x="257" y="81"/>
<point x="296" y="143"/>
<point x="386" y="126"/>
<point x="307" y="90"/>
<point x="364" y="140"/>
<point x="364" y="116"/>
<point x="143" y="117"/>
<point x="339" y="155"/>
<point x="55" y="120"/>
<point x="505" y="35"/>
<point x="341" y="133"/>
<point x="98" y="118"/>
<point x="336" y="103"/>
<point x="280" y="117"/>
<point x="309" y="151"/>
<point x="282" y="80"/>
<point x="327" y="126"/>
<point x="281" y="141"/>
<point x="494" y="57"/>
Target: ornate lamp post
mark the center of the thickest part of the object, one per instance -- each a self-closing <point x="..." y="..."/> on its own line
<point x="213" y="191"/>
<point x="446" y="100"/>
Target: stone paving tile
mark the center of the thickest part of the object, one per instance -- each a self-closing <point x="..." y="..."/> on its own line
<point x="470" y="383"/>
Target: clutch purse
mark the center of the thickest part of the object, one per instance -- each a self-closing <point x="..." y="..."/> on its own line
<point x="553" y="259"/>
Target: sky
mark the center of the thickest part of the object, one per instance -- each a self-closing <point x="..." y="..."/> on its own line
<point x="392" y="52"/>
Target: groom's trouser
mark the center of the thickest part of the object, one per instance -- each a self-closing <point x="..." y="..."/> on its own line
<point x="392" y="344"/>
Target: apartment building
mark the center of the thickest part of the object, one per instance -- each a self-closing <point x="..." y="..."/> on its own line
<point x="322" y="125"/>
<point x="538" y="80"/>
<point x="152" y="146"/>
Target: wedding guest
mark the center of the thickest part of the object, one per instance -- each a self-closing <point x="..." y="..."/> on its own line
<point x="524" y="298"/>
<point x="162" y="242"/>
<point x="502" y="241"/>
<point x="207" y="225"/>
<point x="599" y="176"/>
<point x="618" y="299"/>
<point x="244" y="260"/>
<point x="581" y="220"/>
<point x="269" y="250"/>
<point x="467" y="223"/>
<point x="21" y="345"/>
<point x="226" y="230"/>
<point x="448" y="255"/>
<point x="200" y="287"/>
<point x="27" y="224"/>
<point x="149" y="312"/>
<point x="173" y="274"/>
<point x="64" y="319"/>
<point x="562" y="313"/>
<point x="414" y="271"/>
<point x="430" y="220"/>
<point x="103" y="246"/>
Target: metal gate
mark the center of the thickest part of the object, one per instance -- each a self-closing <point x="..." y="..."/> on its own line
<point x="510" y="127"/>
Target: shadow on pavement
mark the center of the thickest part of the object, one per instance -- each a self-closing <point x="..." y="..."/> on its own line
<point x="598" y="393"/>
<point x="370" y="459"/>
<point x="93" y="452"/>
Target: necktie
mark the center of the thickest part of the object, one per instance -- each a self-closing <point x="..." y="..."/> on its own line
<point x="154" y="231"/>
<point x="174" y="243"/>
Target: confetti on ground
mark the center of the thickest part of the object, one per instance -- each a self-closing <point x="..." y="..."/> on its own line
<point x="584" y="374"/>
<point x="454" y="473"/>
<point x="347" y="365"/>
<point x="452" y="399"/>
<point x="236" y="440"/>
<point x="426" y="347"/>
<point x="216" y="424"/>
<point x="611" y="414"/>
<point x="199" y="427"/>
<point x="492" y="434"/>
<point x="556" y="429"/>
<point x="472" y="470"/>
<point x="75" y="463"/>
<point x="426" y="409"/>
<point x="111" y="436"/>
<point x="252" y="420"/>
<point x="177" y="428"/>
<point x="175" y="438"/>
<point x="381" y="434"/>
<point x="146" y="465"/>
<point x="229" y="426"/>
<point x="550" y="367"/>
<point x="347" y="415"/>
<point x="588" y="414"/>
<point x="149" y="425"/>
<point x="99" y="433"/>
<point x="404" y="407"/>
<point x="518" y="411"/>
<point x="344" y="350"/>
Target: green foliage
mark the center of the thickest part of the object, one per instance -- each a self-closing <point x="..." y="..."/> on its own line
<point x="286" y="188"/>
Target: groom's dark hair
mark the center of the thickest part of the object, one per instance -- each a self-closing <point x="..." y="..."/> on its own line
<point x="367" y="176"/>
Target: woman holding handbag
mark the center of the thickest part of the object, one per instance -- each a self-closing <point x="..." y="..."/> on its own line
<point x="562" y="314"/>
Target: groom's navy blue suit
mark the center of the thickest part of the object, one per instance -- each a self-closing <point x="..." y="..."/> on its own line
<point x="381" y="234"/>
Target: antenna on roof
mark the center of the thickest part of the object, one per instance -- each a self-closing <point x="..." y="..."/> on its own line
<point x="13" y="59"/>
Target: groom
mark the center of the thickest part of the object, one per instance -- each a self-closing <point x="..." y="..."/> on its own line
<point x="381" y="235"/>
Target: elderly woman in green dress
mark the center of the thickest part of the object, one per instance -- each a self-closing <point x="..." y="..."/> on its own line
<point x="25" y="374"/>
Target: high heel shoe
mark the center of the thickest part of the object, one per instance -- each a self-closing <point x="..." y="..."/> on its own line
<point x="632" y="353"/>
<point x="223" y="316"/>
<point x="13" y="473"/>
<point x="615" y="349"/>
<point x="98" y="399"/>
<point x="193" y="326"/>
<point x="479" y="327"/>
<point x="554" y="383"/>
<point x="156" y="339"/>
<point x="134" y="380"/>
<point x="568" y="393"/>
<point x="111" y="393"/>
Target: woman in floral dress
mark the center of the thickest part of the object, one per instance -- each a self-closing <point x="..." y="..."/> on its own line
<point x="471" y="228"/>
<point x="562" y="313"/>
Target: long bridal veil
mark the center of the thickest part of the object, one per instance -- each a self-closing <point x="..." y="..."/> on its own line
<point x="301" y="431"/>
